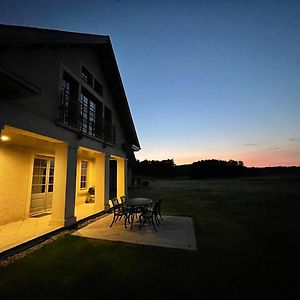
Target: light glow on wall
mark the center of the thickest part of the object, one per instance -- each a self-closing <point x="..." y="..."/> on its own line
<point x="4" y="138"/>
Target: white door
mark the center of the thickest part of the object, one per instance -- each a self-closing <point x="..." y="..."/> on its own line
<point x="42" y="185"/>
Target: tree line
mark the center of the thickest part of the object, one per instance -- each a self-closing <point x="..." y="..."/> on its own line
<point x="210" y="168"/>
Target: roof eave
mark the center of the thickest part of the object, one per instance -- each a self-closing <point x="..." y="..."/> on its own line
<point x="118" y="88"/>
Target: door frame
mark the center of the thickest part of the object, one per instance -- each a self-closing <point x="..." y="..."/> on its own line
<point x="30" y="181"/>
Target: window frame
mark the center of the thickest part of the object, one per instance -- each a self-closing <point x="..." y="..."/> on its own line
<point x="83" y="183"/>
<point x="88" y="112"/>
<point x="69" y="100"/>
<point x="87" y="76"/>
<point x="98" y="87"/>
<point x="81" y="106"/>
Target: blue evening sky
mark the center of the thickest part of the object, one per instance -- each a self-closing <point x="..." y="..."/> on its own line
<point x="204" y="79"/>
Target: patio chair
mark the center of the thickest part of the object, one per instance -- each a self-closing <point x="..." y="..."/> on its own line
<point x="158" y="213"/>
<point x="119" y="212"/>
<point x="123" y="200"/>
<point x="128" y="211"/>
<point x="149" y="215"/>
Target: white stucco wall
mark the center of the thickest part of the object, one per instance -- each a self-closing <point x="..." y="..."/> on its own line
<point x="14" y="176"/>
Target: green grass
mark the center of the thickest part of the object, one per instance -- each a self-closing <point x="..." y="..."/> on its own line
<point x="248" y="241"/>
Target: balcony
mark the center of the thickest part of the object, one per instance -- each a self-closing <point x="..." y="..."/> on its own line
<point x="110" y="134"/>
<point x="86" y="118"/>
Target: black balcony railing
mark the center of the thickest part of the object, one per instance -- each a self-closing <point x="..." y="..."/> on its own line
<point x="84" y="116"/>
<point x="110" y="133"/>
<point x="69" y="110"/>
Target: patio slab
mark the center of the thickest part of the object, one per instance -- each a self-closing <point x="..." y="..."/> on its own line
<point x="174" y="232"/>
<point x="17" y="233"/>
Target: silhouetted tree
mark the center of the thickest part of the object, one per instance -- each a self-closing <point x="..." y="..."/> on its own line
<point x="214" y="168"/>
<point x="211" y="168"/>
<point x="155" y="168"/>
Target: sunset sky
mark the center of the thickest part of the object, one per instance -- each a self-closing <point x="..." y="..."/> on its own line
<point x="204" y="79"/>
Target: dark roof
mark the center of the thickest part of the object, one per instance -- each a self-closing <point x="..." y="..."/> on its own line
<point x="20" y="35"/>
<point x="27" y="35"/>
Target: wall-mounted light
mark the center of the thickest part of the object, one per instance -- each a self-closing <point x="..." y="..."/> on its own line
<point x="4" y="138"/>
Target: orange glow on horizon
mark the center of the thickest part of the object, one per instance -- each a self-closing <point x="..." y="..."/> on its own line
<point x="248" y="161"/>
<point x="263" y="158"/>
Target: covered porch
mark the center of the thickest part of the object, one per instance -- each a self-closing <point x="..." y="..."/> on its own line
<point x="33" y="176"/>
<point x="101" y="173"/>
<point x="44" y="184"/>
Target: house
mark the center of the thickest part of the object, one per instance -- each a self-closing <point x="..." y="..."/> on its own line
<point x="65" y="124"/>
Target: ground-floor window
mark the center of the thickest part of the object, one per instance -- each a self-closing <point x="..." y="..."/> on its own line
<point x="83" y="174"/>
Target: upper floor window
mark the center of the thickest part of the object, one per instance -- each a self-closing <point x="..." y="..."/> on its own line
<point x="69" y="96"/>
<point x="91" y="111"/>
<point x="86" y="76"/>
<point x="87" y="113"/>
<point x="91" y="81"/>
<point x="98" y="87"/>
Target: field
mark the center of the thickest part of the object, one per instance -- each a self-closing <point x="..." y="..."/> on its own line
<point x="248" y="242"/>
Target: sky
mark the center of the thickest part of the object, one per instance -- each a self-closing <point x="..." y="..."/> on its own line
<point x="204" y="79"/>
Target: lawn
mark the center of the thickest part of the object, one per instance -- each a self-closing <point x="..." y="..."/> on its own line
<point x="248" y="242"/>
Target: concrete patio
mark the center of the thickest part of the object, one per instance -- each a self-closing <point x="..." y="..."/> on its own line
<point x="20" y="232"/>
<point x="174" y="232"/>
<point x="17" y="233"/>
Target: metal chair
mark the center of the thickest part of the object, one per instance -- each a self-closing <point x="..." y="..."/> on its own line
<point x="128" y="211"/>
<point x="149" y="215"/>
<point x="158" y="213"/>
<point x="123" y="200"/>
<point x="118" y="212"/>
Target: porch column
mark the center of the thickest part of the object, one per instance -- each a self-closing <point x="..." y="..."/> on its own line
<point x="121" y="188"/>
<point x="63" y="203"/>
<point x="107" y="181"/>
<point x="99" y="181"/>
<point x="126" y="176"/>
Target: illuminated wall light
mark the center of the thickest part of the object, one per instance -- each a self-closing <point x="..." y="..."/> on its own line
<point x="4" y="138"/>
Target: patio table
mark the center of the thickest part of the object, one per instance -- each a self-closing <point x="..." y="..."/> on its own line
<point x="138" y="202"/>
<point x="136" y="205"/>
